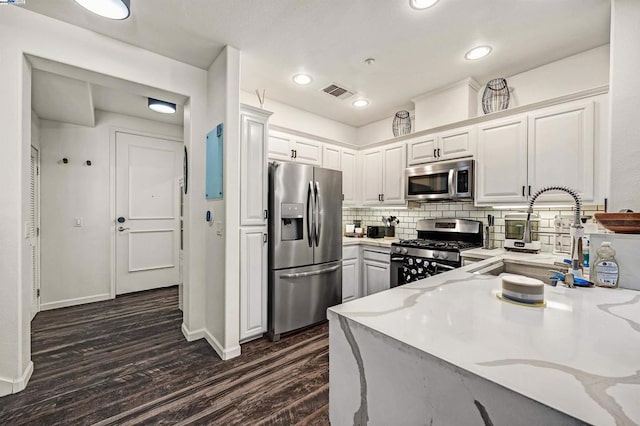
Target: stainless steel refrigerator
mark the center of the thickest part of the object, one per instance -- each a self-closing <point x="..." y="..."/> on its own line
<point x="305" y="245"/>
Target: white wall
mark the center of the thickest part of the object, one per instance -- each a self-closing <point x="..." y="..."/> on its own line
<point x="48" y="38"/>
<point x="625" y="105"/>
<point x="303" y="121"/>
<point x="455" y="102"/>
<point x="223" y="269"/>
<point x="76" y="261"/>
<point x="583" y="71"/>
<point x="572" y="74"/>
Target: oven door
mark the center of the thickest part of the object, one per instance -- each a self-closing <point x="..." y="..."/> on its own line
<point x="406" y="269"/>
<point x="397" y="277"/>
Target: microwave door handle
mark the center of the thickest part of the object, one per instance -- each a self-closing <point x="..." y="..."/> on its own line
<point x="310" y="214"/>
<point x="452" y="190"/>
<point x="317" y="220"/>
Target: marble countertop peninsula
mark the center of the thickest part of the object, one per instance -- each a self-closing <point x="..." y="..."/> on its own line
<point x="379" y="242"/>
<point x="579" y="355"/>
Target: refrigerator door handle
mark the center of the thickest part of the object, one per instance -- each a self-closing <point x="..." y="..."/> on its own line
<point x="310" y="214"/>
<point x="309" y="274"/>
<point x="317" y="219"/>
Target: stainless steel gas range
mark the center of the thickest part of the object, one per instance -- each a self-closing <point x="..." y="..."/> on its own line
<point x="436" y="250"/>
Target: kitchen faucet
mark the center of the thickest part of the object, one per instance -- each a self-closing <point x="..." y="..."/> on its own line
<point x="576" y="230"/>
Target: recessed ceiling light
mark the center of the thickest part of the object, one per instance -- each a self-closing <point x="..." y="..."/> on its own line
<point x="478" y="52"/>
<point x="162" y="107"/>
<point x="302" y="79"/>
<point x="422" y="4"/>
<point x="360" y="103"/>
<point x="112" y="9"/>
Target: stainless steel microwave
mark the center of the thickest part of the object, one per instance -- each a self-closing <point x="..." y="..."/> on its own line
<point x="442" y="180"/>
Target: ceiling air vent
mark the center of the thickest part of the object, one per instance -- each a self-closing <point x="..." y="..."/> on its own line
<point x="337" y="91"/>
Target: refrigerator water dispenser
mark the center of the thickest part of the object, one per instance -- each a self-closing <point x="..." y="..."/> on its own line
<point x="291" y="221"/>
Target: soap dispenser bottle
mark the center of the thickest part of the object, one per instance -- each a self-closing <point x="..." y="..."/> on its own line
<point x="605" y="267"/>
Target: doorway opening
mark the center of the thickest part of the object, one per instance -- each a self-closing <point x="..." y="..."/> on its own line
<point x="108" y="217"/>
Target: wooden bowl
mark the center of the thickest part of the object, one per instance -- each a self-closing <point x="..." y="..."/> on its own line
<point x="622" y="223"/>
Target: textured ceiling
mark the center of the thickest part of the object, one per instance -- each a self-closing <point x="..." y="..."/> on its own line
<point x="415" y="51"/>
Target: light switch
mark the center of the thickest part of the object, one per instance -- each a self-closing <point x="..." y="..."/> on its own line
<point x="77" y="222"/>
<point x="219" y="228"/>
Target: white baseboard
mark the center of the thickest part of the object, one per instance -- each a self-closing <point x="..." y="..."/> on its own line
<point x="72" y="302"/>
<point x="7" y="387"/>
<point x="224" y="354"/>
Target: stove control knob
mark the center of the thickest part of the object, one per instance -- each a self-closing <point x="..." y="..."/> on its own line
<point x="404" y="251"/>
<point x="442" y="255"/>
<point x="396" y="249"/>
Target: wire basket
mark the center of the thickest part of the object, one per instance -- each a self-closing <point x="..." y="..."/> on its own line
<point x="495" y="96"/>
<point x="401" y="123"/>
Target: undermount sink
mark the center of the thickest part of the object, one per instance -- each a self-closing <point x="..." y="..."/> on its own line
<point x="505" y="266"/>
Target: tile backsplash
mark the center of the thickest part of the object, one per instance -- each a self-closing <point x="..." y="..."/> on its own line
<point x="406" y="229"/>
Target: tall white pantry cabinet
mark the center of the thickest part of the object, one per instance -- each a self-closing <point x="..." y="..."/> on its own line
<point x="254" y="134"/>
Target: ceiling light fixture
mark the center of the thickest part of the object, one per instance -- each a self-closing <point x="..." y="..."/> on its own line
<point x="112" y="9"/>
<point x="422" y="4"/>
<point x="360" y="103"/>
<point x="162" y="107"/>
<point x="478" y="52"/>
<point x="302" y="79"/>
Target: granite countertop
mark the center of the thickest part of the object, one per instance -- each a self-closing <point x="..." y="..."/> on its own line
<point x="578" y="355"/>
<point x="379" y="242"/>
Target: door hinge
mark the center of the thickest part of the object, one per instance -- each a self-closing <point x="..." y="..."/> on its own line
<point x="38" y="293"/>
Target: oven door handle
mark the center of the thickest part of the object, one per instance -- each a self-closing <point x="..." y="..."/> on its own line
<point x="443" y="266"/>
<point x="397" y="258"/>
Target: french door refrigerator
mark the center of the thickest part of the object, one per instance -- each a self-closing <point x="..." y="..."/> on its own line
<point x="305" y="245"/>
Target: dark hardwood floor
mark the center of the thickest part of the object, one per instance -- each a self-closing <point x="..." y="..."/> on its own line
<point x="125" y="361"/>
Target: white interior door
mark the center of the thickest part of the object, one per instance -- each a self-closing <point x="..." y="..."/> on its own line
<point x="33" y="231"/>
<point x="147" y="222"/>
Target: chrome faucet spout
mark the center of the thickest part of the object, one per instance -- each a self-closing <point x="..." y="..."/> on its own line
<point x="577" y="232"/>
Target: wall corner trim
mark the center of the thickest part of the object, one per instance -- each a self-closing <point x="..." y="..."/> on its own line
<point x="7" y="387"/>
<point x="224" y="354"/>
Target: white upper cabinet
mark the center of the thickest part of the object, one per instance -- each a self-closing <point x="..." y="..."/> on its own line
<point x="383" y="175"/>
<point x="422" y="150"/>
<point x="287" y="147"/>
<point x="331" y="157"/>
<point x="349" y="177"/>
<point x="456" y="143"/>
<point x="253" y="166"/>
<point x="447" y="145"/>
<point x="372" y="176"/>
<point x="393" y="174"/>
<point x="561" y="148"/>
<point x="519" y="155"/>
<point x="501" y="161"/>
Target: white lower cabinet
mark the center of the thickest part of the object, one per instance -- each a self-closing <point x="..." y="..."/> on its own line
<point x="350" y="273"/>
<point x="376" y="271"/>
<point x="253" y="282"/>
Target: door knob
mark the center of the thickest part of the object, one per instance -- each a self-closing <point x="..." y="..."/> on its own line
<point x="121" y="228"/>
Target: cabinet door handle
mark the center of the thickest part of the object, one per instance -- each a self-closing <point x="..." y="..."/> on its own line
<point x="264" y="238"/>
<point x="529" y="190"/>
<point x="295" y="153"/>
<point x="438" y="152"/>
<point x="434" y="153"/>
<point x="382" y="196"/>
<point x="292" y="156"/>
<point x="523" y="190"/>
<point x="266" y="215"/>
